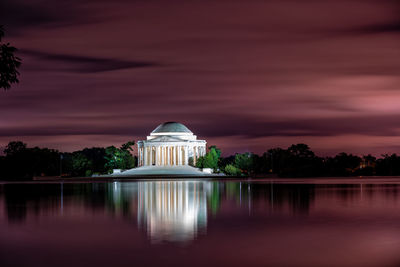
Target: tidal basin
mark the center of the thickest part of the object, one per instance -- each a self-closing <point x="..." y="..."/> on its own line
<point x="269" y="222"/>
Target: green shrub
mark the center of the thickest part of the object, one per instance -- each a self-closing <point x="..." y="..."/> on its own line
<point x="232" y="170"/>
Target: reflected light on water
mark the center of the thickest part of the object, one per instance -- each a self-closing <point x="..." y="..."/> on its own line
<point x="333" y="222"/>
<point x="172" y="211"/>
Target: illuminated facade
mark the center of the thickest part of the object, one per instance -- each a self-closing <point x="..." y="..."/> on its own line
<point x="170" y="144"/>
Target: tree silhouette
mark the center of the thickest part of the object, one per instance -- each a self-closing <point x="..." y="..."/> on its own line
<point x="9" y="63"/>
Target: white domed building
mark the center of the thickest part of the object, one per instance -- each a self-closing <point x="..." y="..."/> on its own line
<point x="169" y="150"/>
<point x="170" y="144"/>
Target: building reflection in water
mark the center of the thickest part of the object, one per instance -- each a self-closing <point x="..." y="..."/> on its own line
<point x="178" y="211"/>
<point x="172" y="210"/>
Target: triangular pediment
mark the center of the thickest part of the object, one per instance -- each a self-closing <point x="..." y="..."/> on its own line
<point x="166" y="139"/>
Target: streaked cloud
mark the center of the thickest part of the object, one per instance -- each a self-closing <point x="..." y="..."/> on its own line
<point x="84" y="64"/>
<point x="245" y="75"/>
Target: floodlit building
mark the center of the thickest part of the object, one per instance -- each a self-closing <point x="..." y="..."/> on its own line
<point x="170" y="144"/>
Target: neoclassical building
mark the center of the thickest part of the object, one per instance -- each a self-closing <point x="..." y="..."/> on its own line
<point x="170" y="144"/>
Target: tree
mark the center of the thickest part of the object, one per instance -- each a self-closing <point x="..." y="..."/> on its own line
<point x="9" y="63"/>
<point x="96" y="156"/>
<point x="120" y="158"/>
<point x="113" y="158"/>
<point x="367" y="166"/>
<point x="343" y="164"/>
<point x="302" y="162"/>
<point x="388" y="165"/>
<point x="128" y="160"/>
<point x="81" y="165"/>
<point x="277" y="160"/>
<point x="217" y="150"/>
<point x="22" y="162"/>
<point x="261" y="164"/>
<point x="210" y="160"/>
<point x="128" y="145"/>
<point x="14" y="147"/>
<point x="244" y="162"/>
<point x="301" y="151"/>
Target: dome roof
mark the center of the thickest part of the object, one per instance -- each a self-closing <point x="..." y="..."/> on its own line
<point x="171" y="127"/>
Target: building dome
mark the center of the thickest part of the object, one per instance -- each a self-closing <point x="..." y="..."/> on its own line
<point x="171" y="127"/>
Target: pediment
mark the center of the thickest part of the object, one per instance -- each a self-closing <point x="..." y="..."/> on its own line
<point x="166" y="139"/>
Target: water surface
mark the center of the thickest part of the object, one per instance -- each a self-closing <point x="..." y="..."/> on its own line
<point x="319" y="222"/>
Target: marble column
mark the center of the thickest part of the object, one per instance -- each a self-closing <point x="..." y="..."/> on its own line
<point x="141" y="157"/>
<point x="146" y="154"/>
<point x="162" y="156"/>
<point x="179" y="155"/>
<point x="159" y="155"/>
<point x="186" y="155"/>
<point x="169" y="155"/>
<point x="155" y="155"/>
<point x="194" y="156"/>
<point x="182" y="155"/>
<point x="172" y="156"/>
<point x="166" y="156"/>
<point x="150" y="155"/>
<point x="138" y="156"/>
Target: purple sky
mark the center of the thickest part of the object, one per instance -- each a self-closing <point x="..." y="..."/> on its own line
<point x="244" y="75"/>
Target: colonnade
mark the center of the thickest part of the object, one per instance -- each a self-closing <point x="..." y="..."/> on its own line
<point x="166" y="155"/>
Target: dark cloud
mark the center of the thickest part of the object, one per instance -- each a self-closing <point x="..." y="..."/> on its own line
<point x="18" y="15"/>
<point x="86" y="64"/>
<point x="391" y="27"/>
<point x="390" y="24"/>
<point x="251" y="127"/>
<point x="222" y="125"/>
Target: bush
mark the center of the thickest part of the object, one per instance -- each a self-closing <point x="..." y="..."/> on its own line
<point x="232" y="170"/>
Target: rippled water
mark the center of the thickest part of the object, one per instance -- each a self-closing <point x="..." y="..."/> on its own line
<point x="322" y="222"/>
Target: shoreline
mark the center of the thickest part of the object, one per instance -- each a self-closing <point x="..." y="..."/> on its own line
<point x="276" y="180"/>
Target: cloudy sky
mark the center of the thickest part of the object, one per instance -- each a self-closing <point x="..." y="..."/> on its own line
<point x="244" y="75"/>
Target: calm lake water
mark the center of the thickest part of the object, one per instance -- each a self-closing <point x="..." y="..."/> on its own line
<point x="320" y="222"/>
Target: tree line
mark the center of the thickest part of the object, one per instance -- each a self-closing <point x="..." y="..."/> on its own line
<point x="22" y="162"/>
<point x="299" y="160"/>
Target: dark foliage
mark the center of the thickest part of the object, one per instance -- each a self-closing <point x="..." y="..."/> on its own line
<point x="299" y="161"/>
<point x="23" y="163"/>
<point x="9" y="63"/>
<point x="388" y="165"/>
